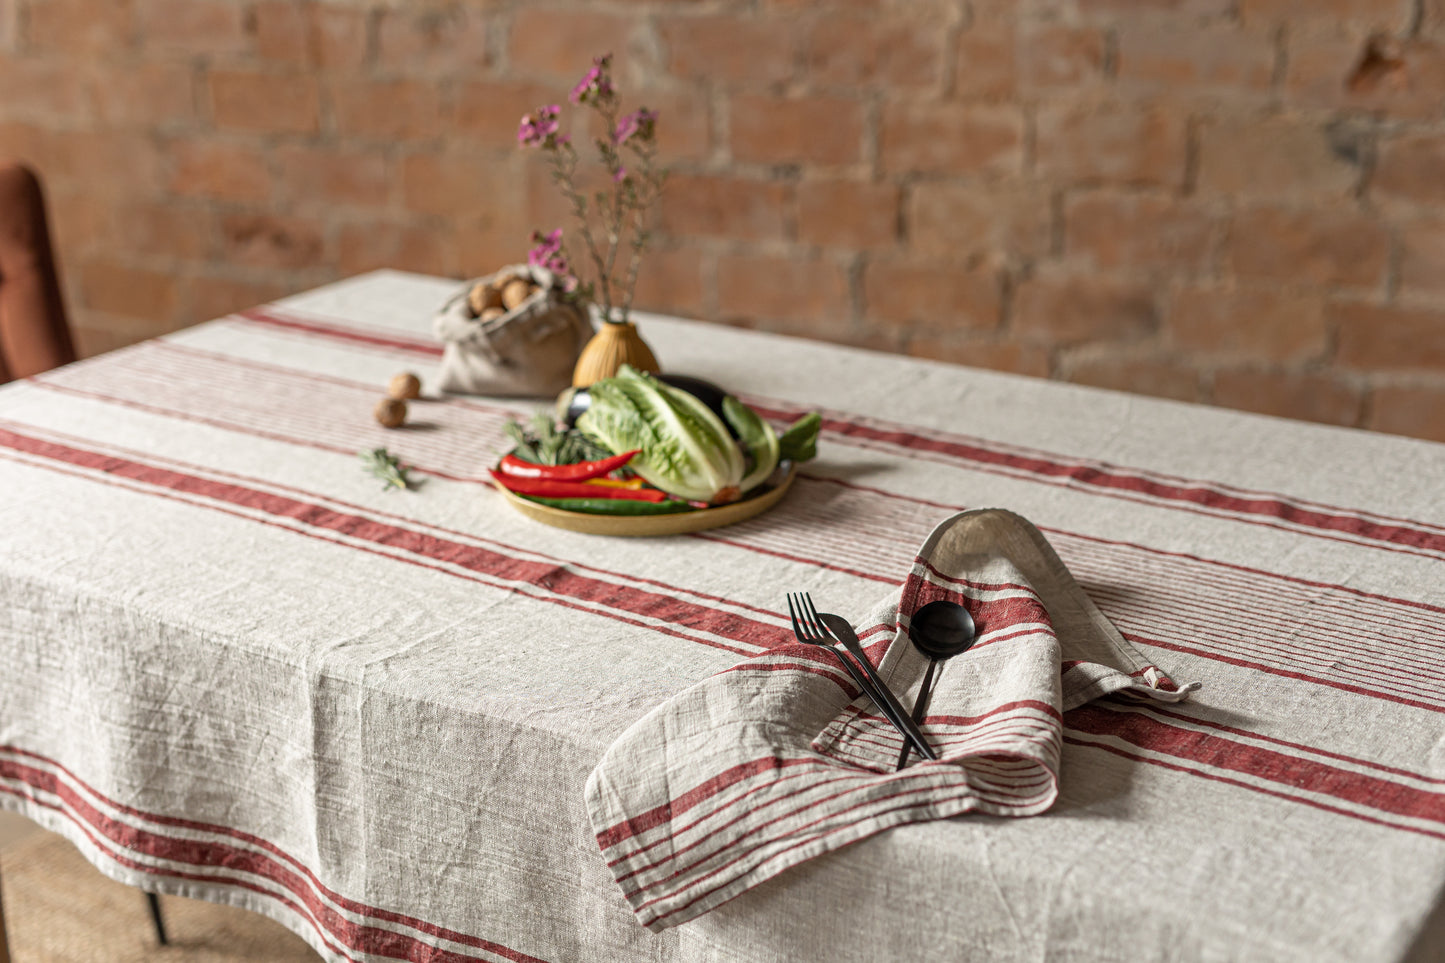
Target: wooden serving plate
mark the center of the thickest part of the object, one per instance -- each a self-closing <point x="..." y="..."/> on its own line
<point x="676" y="523"/>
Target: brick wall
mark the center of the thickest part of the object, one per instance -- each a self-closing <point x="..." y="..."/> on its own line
<point x="1233" y="201"/>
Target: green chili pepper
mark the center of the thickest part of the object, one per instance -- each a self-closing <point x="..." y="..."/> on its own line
<point x="610" y="506"/>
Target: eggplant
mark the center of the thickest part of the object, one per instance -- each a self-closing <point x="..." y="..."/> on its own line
<point x="572" y="402"/>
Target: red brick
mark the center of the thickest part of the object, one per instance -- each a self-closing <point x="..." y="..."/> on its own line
<point x="1422" y="262"/>
<point x="389" y="109"/>
<point x="964" y="220"/>
<point x="1083" y="308"/>
<point x="1116" y="144"/>
<point x="1417" y="411"/>
<point x="83" y="223"/>
<point x="369" y="245"/>
<point x="704" y="205"/>
<point x="1137" y="231"/>
<point x="490" y="111"/>
<point x="1389" y="337"/>
<point x="164" y="229"/>
<point x="1326" y="247"/>
<point x="51" y="91"/>
<point x="339" y="36"/>
<point x="282" y="31"/>
<point x="1384" y="14"/>
<point x="1302" y="396"/>
<point x="783" y="289"/>
<point x="950" y="139"/>
<point x="127" y="290"/>
<point x="849" y="50"/>
<point x="110" y="163"/>
<point x="729" y="50"/>
<point x="1012" y="356"/>
<point x="1195" y="9"/>
<point x="480" y="247"/>
<point x="561" y="48"/>
<point x="848" y="214"/>
<point x="1256" y="325"/>
<point x="938" y="296"/>
<point x="1179" y="57"/>
<point x="670" y="281"/>
<point x="985" y="66"/>
<point x="328" y="175"/>
<point x="1156" y="377"/>
<point x="1058" y="55"/>
<point x="193" y="26"/>
<point x="271" y="240"/>
<point x="1406" y="79"/>
<point x="78" y="26"/>
<point x="218" y="169"/>
<point x="425" y="40"/>
<point x="144" y="94"/>
<point x="818" y="130"/>
<point x="1411" y="168"/>
<point x="1432" y="21"/>
<point x="206" y="298"/>
<point x="265" y="102"/>
<point x="1274" y="158"/>
<point x="444" y="184"/>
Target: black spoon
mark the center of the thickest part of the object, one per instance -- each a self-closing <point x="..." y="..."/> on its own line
<point x="940" y="630"/>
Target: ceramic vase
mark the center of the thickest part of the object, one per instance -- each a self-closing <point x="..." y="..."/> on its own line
<point x="615" y="344"/>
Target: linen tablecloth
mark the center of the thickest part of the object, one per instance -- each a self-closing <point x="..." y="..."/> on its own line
<point x="231" y="666"/>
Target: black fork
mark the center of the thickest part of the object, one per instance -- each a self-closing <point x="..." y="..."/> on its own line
<point x="809" y="629"/>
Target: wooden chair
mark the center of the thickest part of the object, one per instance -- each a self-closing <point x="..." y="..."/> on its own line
<point x="34" y="332"/>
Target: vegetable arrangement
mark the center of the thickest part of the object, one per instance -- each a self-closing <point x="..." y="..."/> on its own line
<point x="642" y="446"/>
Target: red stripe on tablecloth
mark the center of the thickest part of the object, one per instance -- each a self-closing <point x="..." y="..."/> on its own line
<point x="352" y="332"/>
<point x="360" y="937"/>
<point x="1172" y="713"/>
<point x="1215" y="656"/>
<point x="185" y="466"/>
<point x="349" y="905"/>
<point x="1241" y="784"/>
<point x="548" y="575"/>
<point x="1048" y="466"/>
<point x="1306" y="775"/>
<point x="118" y="856"/>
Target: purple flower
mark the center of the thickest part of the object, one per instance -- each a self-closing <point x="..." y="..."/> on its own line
<point x="596" y="84"/>
<point x="541" y="129"/>
<point x="641" y="124"/>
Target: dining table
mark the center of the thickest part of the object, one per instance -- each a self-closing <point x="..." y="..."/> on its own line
<point x="235" y="666"/>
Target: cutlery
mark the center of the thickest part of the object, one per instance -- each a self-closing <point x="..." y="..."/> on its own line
<point x="808" y="630"/>
<point x="940" y="630"/>
<point x="887" y="701"/>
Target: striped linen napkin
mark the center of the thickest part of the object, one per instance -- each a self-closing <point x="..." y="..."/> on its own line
<point x="780" y="759"/>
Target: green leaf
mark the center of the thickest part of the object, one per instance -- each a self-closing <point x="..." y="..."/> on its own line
<point x="800" y="441"/>
<point x="757" y="436"/>
<point x="386" y="466"/>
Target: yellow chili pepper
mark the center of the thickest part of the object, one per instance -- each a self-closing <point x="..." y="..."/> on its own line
<point x="633" y="483"/>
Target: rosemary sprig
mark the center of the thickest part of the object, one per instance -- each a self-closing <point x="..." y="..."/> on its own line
<point x="386" y="466"/>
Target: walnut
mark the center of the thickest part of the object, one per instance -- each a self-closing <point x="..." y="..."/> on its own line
<point x="405" y="385"/>
<point x="491" y="314"/>
<point x="482" y="297"/>
<point x="391" y="412"/>
<point x="515" y="293"/>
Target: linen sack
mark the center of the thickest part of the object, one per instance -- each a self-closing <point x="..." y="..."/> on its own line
<point x="780" y="759"/>
<point x="528" y="352"/>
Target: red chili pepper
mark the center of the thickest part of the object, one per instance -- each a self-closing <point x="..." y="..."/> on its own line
<point x="555" y="488"/>
<point x="578" y="471"/>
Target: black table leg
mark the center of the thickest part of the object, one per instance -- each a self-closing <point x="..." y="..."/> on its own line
<point x="155" y="904"/>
